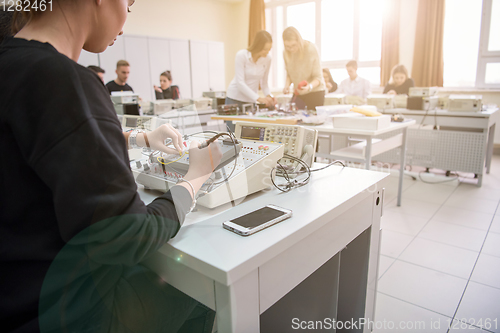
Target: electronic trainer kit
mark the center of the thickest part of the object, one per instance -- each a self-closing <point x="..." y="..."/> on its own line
<point x="251" y="158"/>
<point x="245" y="168"/>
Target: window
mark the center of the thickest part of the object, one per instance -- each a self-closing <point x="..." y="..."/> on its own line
<point x="471" y="44"/>
<point x="342" y="30"/>
<point x="462" y="26"/>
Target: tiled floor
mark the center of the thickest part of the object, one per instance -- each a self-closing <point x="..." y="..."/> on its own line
<point x="440" y="256"/>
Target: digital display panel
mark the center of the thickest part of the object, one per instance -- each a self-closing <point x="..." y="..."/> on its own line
<point x="253" y="133"/>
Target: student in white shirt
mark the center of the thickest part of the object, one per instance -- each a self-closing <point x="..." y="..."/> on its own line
<point x="354" y="85"/>
<point x="251" y="70"/>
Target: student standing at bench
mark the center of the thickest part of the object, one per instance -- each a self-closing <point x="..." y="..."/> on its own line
<point x="251" y="71"/>
<point x="303" y="69"/>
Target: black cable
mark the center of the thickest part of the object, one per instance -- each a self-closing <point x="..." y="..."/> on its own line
<point x="313" y="170"/>
<point x="187" y="136"/>
<point x="425" y="115"/>
<point x="290" y="184"/>
<point x="439" y="182"/>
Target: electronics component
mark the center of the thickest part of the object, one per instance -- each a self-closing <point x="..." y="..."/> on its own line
<point x="399" y="118"/>
<point x="248" y="173"/>
<point x="422" y="91"/>
<point x="443" y="102"/>
<point x="203" y="103"/>
<point x="335" y="99"/>
<point x="257" y="220"/>
<point x="147" y="123"/>
<point x="162" y="106"/>
<point x="218" y="97"/>
<point x="470" y="103"/>
<point x="355" y="100"/>
<point x="125" y="102"/>
<point x="229" y="110"/>
<point x="422" y="103"/>
<point x="283" y="99"/>
<point x="381" y="101"/>
<point x="298" y="141"/>
<point x="182" y="103"/>
<point x="400" y="101"/>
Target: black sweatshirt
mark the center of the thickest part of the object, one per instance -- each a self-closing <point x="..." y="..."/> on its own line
<point x="67" y="191"/>
<point x="171" y="92"/>
<point x="113" y="86"/>
<point x="402" y="89"/>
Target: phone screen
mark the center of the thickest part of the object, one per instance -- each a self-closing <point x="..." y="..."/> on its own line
<point x="258" y="217"/>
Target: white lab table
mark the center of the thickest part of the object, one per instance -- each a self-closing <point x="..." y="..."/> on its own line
<point x="370" y="146"/>
<point x="189" y="122"/>
<point x="301" y="266"/>
<point x="450" y="140"/>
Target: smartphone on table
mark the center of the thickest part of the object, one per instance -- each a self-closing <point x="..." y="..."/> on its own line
<point x="257" y="220"/>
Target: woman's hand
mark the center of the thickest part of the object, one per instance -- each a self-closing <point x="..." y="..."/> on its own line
<point x="202" y="162"/>
<point x="262" y="100"/>
<point x="392" y="92"/>
<point x="305" y="89"/>
<point x="157" y="139"/>
<point x="271" y="100"/>
<point x="286" y="90"/>
<point x="158" y="89"/>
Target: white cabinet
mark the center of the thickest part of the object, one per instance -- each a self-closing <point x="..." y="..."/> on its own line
<point x="207" y="65"/>
<point x="159" y="58"/>
<point x="137" y="54"/>
<point x="196" y="66"/>
<point x="216" y="66"/>
<point x="180" y="66"/>
<point x="199" y="66"/>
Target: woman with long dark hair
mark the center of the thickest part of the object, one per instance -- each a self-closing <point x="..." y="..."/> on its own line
<point x="251" y="71"/>
<point x="166" y="90"/>
<point x="73" y="229"/>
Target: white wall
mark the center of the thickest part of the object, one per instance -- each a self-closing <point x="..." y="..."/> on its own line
<point x="210" y="20"/>
<point x="407" y="30"/>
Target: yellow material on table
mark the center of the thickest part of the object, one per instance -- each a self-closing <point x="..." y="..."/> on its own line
<point x="368" y="113"/>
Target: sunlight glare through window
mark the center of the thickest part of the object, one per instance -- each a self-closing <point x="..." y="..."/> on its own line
<point x="337" y="30"/>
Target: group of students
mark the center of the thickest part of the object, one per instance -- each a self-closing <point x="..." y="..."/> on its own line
<point x="165" y="91"/>
<point x="303" y="71"/>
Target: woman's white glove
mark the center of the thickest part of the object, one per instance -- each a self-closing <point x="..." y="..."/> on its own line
<point x="158" y="136"/>
<point x="203" y="161"/>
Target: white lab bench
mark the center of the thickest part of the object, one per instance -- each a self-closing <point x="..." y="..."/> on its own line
<point x="321" y="263"/>
<point x="372" y="145"/>
<point x="189" y="122"/>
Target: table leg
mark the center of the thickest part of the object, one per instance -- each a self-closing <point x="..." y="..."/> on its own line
<point x="368" y="153"/>
<point x="402" y="168"/>
<point x="489" y="147"/>
<point x="237" y="305"/>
